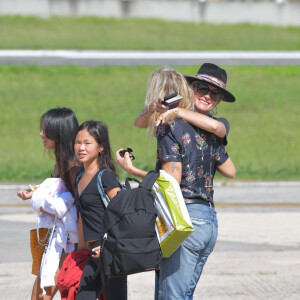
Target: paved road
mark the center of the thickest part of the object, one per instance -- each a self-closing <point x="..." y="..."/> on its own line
<point x="257" y="255"/>
<point x="228" y="195"/>
<point x="97" y="58"/>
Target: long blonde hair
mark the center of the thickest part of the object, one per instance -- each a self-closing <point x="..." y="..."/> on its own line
<point x="163" y="82"/>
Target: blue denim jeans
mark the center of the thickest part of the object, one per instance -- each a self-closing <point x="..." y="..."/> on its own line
<point x="179" y="274"/>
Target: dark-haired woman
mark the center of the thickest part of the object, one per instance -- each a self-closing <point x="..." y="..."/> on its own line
<point x="93" y="150"/>
<point x="57" y="130"/>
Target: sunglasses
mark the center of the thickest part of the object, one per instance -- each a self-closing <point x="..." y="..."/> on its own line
<point x="201" y="88"/>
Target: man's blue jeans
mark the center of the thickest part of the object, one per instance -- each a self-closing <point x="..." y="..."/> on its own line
<point x="180" y="272"/>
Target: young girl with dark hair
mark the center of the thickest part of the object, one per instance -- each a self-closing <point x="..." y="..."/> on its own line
<point x="57" y="130"/>
<point x="93" y="150"/>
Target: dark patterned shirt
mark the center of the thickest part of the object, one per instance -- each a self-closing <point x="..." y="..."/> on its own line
<point x="199" y="151"/>
<point x="227" y="127"/>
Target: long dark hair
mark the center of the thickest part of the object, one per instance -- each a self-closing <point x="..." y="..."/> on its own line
<point x="99" y="132"/>
<point x="60" y="125"/>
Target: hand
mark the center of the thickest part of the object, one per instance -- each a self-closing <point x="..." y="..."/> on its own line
<point x="166" y="116"/>
<point x="156" y="105"/>
<point x="124" y="162"/>
<point x="25" y="194"/>
<point x="97" y="251"/>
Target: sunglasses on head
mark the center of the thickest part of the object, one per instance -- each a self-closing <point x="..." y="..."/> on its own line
<point x="201" y="88"/>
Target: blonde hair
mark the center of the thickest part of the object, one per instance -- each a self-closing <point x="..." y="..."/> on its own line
<point x="163" y="82"/>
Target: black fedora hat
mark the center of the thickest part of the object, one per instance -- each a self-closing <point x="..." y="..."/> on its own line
<point x="213" y="75"/>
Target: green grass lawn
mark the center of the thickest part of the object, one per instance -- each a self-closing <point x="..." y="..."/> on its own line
<point x="141" y="34"/>
<point x="264" y="137"/>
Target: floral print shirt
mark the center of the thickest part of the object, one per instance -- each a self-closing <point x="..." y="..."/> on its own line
<point x="199" y="151"/>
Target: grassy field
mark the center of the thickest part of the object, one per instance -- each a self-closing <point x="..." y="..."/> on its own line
<point x="265" y="124"/>
<point x="141" y="34"/>
<point x="264" y="137"/>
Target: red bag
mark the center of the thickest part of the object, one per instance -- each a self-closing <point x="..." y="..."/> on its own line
<point x="69" y="277"/>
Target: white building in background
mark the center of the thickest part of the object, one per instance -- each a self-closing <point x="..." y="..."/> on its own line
<point x="273" y="12"/>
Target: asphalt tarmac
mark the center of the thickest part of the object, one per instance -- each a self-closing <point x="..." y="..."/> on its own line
<point x="256" y="257"/>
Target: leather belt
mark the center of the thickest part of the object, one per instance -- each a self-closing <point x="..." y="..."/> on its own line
<point x="199" y="201"/>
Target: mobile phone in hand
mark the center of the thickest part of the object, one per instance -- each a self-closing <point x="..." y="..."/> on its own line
<point x="172" y="100"/>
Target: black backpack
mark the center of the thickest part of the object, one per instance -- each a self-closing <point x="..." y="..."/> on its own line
<point x="130" y="244"/>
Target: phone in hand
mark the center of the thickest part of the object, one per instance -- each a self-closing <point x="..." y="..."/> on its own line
<point x="172" y="100"/>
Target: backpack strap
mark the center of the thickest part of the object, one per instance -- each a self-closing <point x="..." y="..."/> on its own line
<point x="127" y="184"/>
<point x="78" y="176"/>
<point x="102" y="193"/>
<point x="149" y="180"/>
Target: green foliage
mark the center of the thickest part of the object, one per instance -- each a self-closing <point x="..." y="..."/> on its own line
<point x="141" y="34"/>
<point x="264" y="120"/>
<point x="263" y="140"/>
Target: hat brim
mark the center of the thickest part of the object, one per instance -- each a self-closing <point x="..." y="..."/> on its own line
<point x="228" y="97"/>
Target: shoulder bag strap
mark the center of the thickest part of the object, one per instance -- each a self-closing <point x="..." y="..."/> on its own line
<point x="149" y="180"/>
<point x="127" y="184"/>
<point x="78" y="176"/>
<point x="102" y="193"/>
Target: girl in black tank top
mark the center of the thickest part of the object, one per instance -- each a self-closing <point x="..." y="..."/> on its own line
<point x="93" y="150"/>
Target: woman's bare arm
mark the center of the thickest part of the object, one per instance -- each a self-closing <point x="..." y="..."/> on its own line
<point x="142" y="120"/>
<point x="227" y="169"/>
<point x="126" y="164"/>
<point x="197" y="119"/>
<point x="113" y="192"/>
